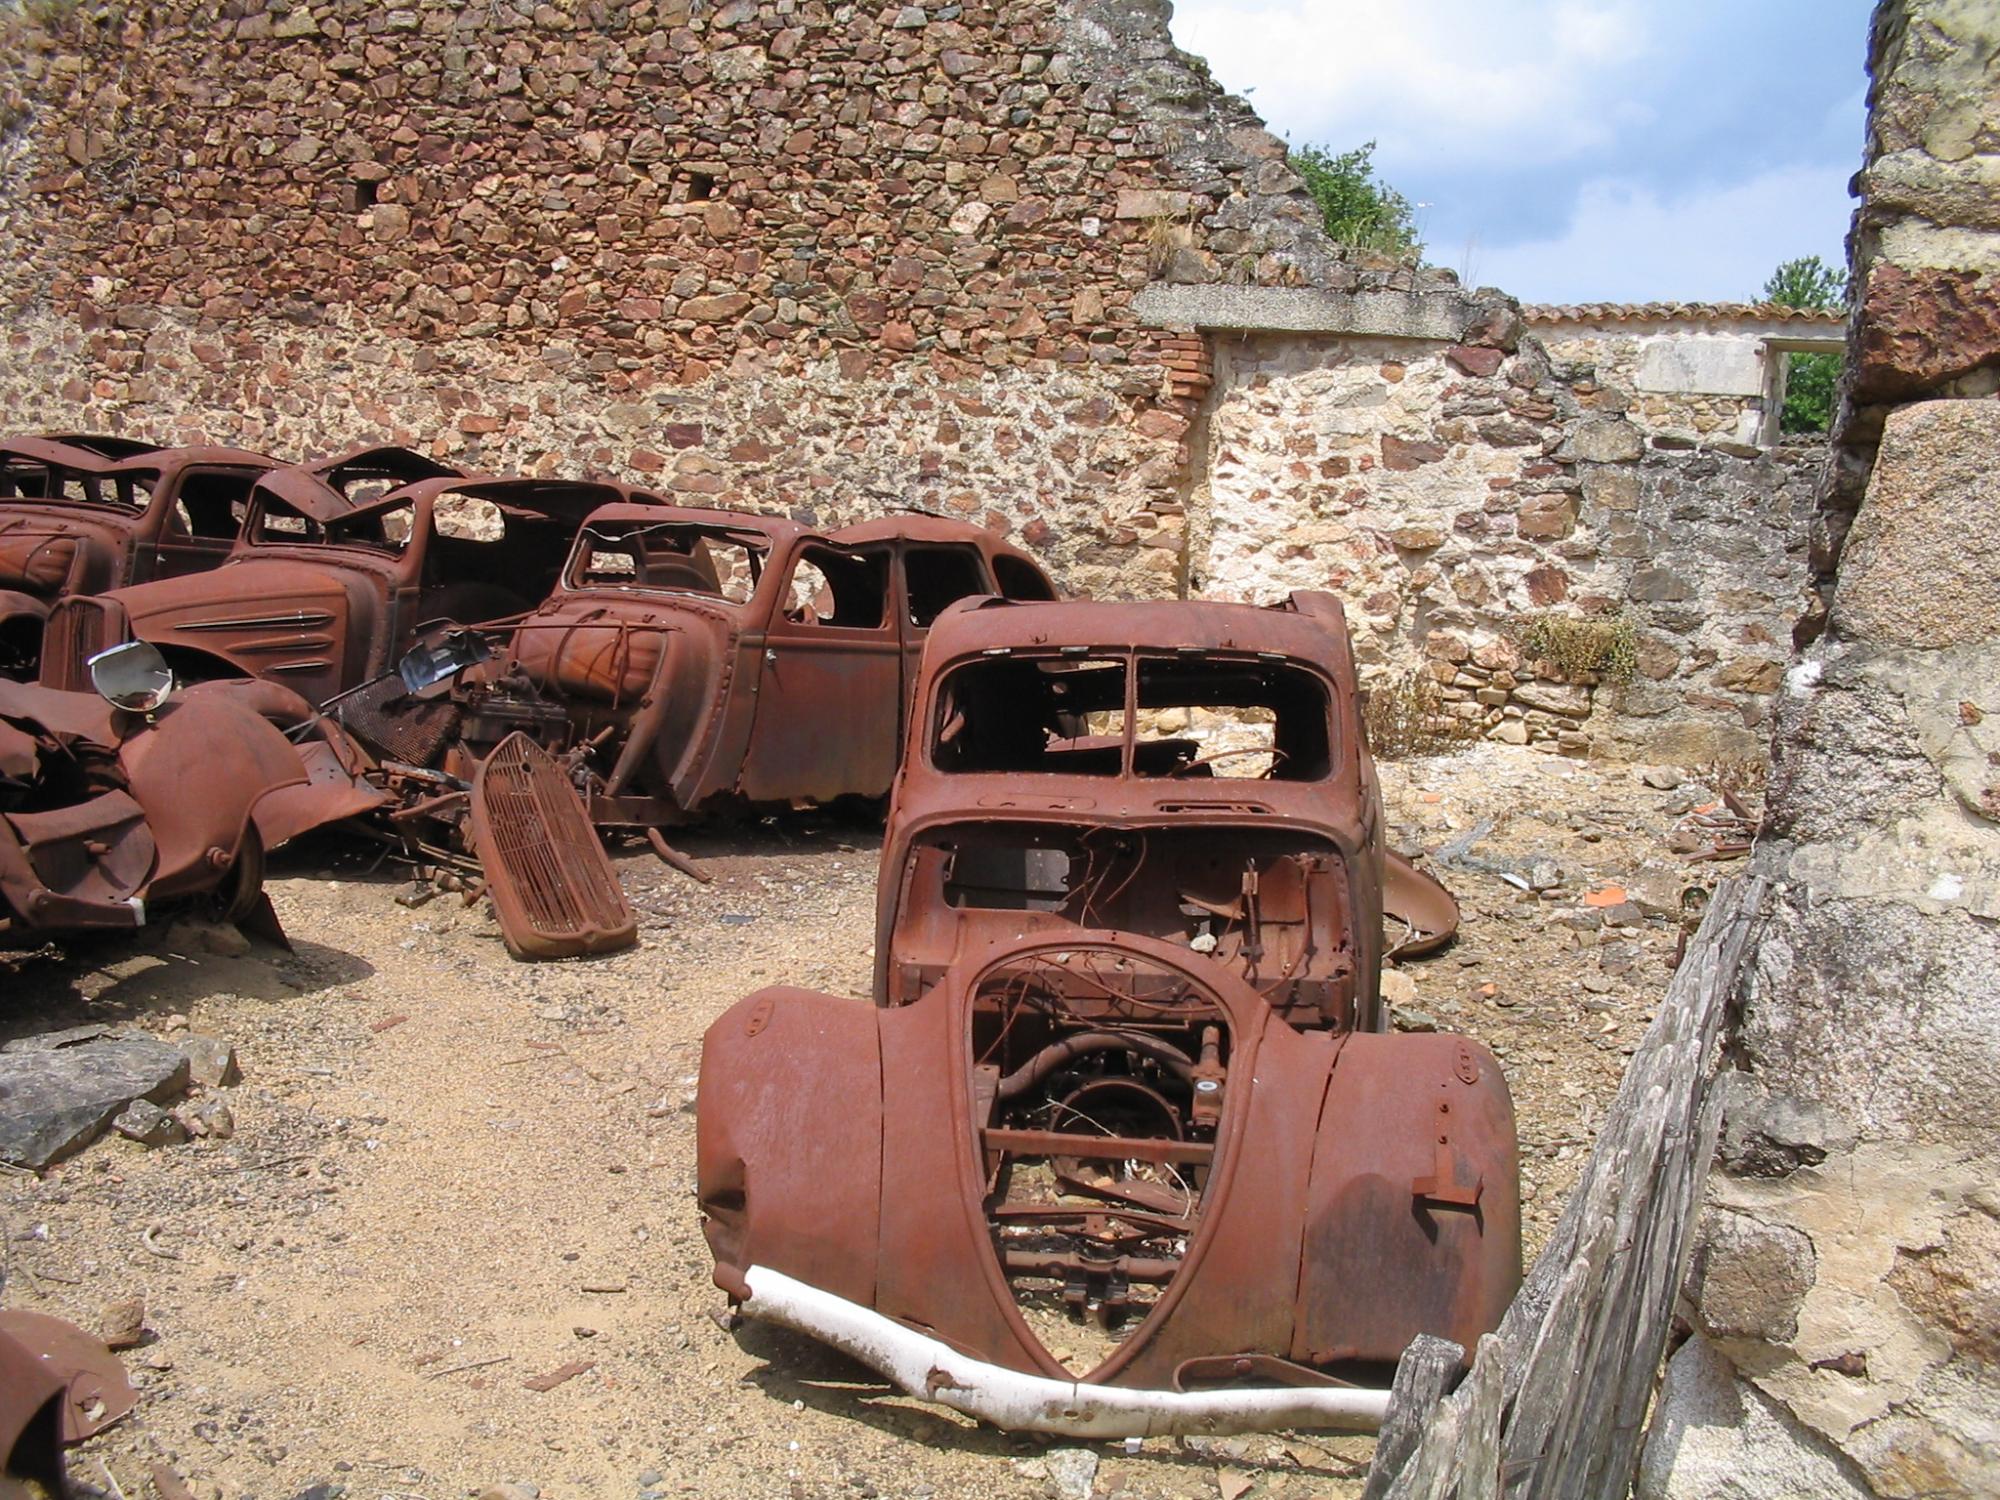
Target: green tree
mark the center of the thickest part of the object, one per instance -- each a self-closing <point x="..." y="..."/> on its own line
<point x="1806" y="281"/>
<point x="1811" y="380"/>
<point x="1357" y="207"/>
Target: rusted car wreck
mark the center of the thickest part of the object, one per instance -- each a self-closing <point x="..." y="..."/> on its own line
<point x="687" y="660"/>
<point x="81" y="514"/>
<point x="151" y="799"/>
<point x="1127" y="1087"/>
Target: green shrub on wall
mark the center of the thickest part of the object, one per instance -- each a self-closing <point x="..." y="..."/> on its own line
<point x="1606" y="648"/>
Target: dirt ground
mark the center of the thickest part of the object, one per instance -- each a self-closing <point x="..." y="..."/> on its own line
<point x="451" y="1172"/>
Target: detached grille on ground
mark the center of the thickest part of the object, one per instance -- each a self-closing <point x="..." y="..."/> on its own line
<point x="552" y="884"/>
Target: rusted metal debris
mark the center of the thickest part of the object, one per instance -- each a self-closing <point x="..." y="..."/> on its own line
<point x="110" y="815"/>
<point x="94" y="1388"/>
<point x="1128" y="1064"/>
<point x="685" y="660"/>
<point x="553" y="890"/>
<point x="324" y="595"/>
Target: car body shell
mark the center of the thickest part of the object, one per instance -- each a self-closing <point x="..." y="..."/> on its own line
<point x="106" y="815"/>
<point x="1055" y="941"/>
<point x="80" y="515"/>
<point x="692" y="699"/>
<point x="337" y="600"/>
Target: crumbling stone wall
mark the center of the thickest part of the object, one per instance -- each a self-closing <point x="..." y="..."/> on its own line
<point x="1702" y="372"/>
<point x="825" y="258"/>
<point x="830" y="259"/>
<point x="1453" y="492"/>
<point x="1844" y="1290"/>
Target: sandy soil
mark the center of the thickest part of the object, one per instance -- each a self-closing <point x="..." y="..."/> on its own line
<point x="451" y="1172"/>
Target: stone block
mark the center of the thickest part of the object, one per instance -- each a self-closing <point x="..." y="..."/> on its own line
<point x="1922" y="563"/>
<point x="148" y="1124"/>
<point x="1748" y="1278"/>
<point x="211" y="1061"/>
<point x="1603" y="440"/>
<point x="1715" y="1437"/>
<point x="56" y="1103"/>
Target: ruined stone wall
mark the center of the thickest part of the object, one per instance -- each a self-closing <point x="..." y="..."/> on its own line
<point x="823" y="258"/>
<point x="1848" y="1332"/>
<point x="1452" y="493"/>
<point x="1678" y="408"/>
<point x="831" y="259"/>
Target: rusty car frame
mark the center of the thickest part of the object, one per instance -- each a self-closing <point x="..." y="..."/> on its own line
<point x="689" y="660"/>
<point x="1125" y="1144"/>
<point x="323" y="594"/>
<point x="81" y="514"/>
<point x="118" y="809"/>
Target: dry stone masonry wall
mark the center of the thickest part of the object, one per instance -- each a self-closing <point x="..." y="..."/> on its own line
<point x="819" y="257"/>
<point x="1453" y="493"/>
<point x="834" y="258"/>
<point x="1844" y="1292"/>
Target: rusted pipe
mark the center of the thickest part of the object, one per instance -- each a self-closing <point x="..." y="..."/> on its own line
<point x="1053" y="1056"/>
<point x="672" y="856"/>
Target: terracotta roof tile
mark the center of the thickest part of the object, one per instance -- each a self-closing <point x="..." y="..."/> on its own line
<point x="1662" y="312"/>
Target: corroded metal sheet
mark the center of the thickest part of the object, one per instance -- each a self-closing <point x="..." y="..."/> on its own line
<point x="552" y="884"/>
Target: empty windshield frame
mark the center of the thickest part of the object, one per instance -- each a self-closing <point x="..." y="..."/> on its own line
<point x="1236" y="715"/>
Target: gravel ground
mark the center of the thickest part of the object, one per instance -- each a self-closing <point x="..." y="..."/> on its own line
<point x="451" y="1172"/>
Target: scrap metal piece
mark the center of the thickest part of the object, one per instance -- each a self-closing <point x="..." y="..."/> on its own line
<point x="31" y="1415"/>
<point x="1420" y="902"/>
<point x="552" y="884"/>
<point x="106" y="815"/>
<point x="96" y="1390"/>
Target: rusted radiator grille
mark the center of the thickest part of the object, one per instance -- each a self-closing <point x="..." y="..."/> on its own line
<point x="552" y="884"/>
<point x="389" y="721"/>
<point x="77" y="630"/>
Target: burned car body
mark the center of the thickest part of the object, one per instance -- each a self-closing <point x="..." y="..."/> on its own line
<point x="108" y="815"/>
<point x="689" y="658"/>
<point x="1128" y="1065"/>
<point x="323" y="595"/>
<point x="80" y="514"/>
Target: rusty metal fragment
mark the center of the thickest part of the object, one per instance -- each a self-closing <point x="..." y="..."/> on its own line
<point x="96" y="1390"/>
<point x="1126" y="1113"/>
<point x="108" y="816"/>
<point x="553" y="887"/>
<point x="1426" y="912"/>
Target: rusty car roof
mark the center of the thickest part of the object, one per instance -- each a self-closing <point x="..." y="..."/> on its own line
<point x="117" y="455"/>
<point x="1306" y="626"/>
<point x="776" y="527"/>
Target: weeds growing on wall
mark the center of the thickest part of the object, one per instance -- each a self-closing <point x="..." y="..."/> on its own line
<point x="1405" y="718"/>
<point x="1357" y="207"/>
<point x="1605" y="648"/>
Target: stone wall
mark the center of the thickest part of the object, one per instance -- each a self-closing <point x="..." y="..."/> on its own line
<point x="824" y="258"/>
<point x="1844" y="1301"/>
<point x="985" y="259"/>
<point x="1451" y="493"/>
<point x="1698" y="372"/>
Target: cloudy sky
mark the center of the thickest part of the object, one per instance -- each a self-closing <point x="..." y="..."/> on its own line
<point x="1574" y="150"/>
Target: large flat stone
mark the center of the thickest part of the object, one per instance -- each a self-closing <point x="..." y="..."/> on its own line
<point x="1716" y="1438"/>
<point x="56" y="1103"/>
<point x="1922" y="564"/>
<point x="1445" y="317"/>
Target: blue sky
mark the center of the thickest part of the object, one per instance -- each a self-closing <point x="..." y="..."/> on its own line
<point x="1575" y="150"/>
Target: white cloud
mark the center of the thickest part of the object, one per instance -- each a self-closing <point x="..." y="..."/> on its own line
<point x="1719" y="243"/>
<point x="1466" y="81"/>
